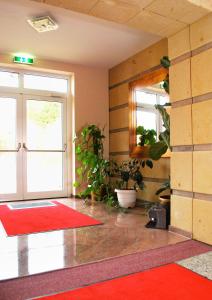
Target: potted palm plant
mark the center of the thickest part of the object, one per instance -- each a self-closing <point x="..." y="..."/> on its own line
<point x="130" y="180"/>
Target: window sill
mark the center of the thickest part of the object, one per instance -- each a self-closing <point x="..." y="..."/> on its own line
<point x="143" y="152"/>
<point x="140" y="152"/>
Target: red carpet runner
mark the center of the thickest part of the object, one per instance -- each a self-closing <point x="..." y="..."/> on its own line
<point x="170" y="282"/>
<point x="41" y="219"/>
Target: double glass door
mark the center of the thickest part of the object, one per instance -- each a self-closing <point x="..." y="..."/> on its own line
<point x="32" y="145"/>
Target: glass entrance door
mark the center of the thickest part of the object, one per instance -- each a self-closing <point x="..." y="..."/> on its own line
<point x="32" y="136"/>
<point x="44" y="147"/>
<point x="10" y="148"/>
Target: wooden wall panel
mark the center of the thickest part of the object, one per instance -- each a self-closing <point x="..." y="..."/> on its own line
<point x="180" y="78"/>
<point x="149" y="191"/>
<point x="181" y="212"/>
<point x="202" y="172"/>
<point x="161" y="169"/>
<point x="138" y="63"/>
<point x="201" y="32"/>
<point x="181" y="126"/>
<point x="181" y="171"/>
<point x="119" y="113"/>
<point x="119" y="118"/>
<point x="202" y="122"/>
<point x="119" y="95"/>
<point x="201" y="73"/>
<point x="202" y="221"/>
<point x="119" y="141"/>
<point x="191" y="171"/>
<point x="179" y="43"/>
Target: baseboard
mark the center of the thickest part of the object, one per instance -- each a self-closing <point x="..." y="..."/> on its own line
<point x="180" y="231"/>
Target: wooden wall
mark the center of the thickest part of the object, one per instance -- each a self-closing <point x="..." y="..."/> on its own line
<point x="191" y="129"/>
<point x="119" y="78"/>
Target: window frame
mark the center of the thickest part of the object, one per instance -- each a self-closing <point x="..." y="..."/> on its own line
<point x="150" y="108"/>
<point x="150" y="78"/>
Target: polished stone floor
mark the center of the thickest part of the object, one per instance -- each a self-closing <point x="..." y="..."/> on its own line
<point x="121" y="234"/>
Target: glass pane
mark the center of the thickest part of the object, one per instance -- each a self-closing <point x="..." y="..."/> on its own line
<point x="143" y="97"/>
<point x="7" y="123"/>
<point x="146" y="119"/>
<point x="45" y="83"/>
<point x="164" y="99"/>
<point x="8" y="79"/>
<point x="44" y="125"/>
<point x="44" y="171"/>
<point x="7" y="173"/>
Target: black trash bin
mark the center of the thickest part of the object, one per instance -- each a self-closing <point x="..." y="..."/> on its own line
<point x="159" y="216"/>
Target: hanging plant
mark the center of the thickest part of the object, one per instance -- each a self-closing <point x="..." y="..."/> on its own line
<point x="159" y="148"/>
<point x="165" y="62"/>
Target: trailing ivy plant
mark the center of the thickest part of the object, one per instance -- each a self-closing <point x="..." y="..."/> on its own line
<point x="93" y="169"/>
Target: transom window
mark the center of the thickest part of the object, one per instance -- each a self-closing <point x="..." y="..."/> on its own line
<point x="43" y="83"/>
<point x="9" y="79"/>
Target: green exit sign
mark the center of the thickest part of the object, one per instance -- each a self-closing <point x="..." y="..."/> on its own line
<point x="23" y="60"/>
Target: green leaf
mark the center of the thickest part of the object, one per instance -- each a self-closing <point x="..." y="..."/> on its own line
<point x="157" y="150"/>
<point x="76" y="184"/>
<point x="165" y="62"/>
<point x="78" y="149"/>
<point x="140" y="130"/>
<point x="149" y="163"/>
<point x="79" y="171"/>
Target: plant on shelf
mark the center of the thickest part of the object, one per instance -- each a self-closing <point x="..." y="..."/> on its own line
<point x="93" y="169"/>
<point x="164" y="199"/>
<point x="146" y="136"/>
<point x="165" y="187"/>
<point x="130" y="180"/>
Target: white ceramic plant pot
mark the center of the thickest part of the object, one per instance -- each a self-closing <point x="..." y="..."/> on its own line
<point x="126" y="198"/>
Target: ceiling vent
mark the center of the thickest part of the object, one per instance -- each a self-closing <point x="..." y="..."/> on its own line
<point x="43" y="24"/>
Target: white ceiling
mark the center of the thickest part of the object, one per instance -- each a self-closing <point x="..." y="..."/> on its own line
<point x="80" y="39"/>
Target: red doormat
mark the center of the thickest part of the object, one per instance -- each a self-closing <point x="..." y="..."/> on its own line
<point x="41" y="219"/>
<point x="170" y="282"/>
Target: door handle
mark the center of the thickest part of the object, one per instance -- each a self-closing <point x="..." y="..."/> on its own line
<point x="12" y="150"/>
<point x="44" y="150"/>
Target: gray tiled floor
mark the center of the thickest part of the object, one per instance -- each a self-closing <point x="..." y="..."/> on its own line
<point x="201" y="264"/>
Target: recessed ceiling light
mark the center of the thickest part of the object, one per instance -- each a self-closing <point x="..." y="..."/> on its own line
<point x="43" y="24"/>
